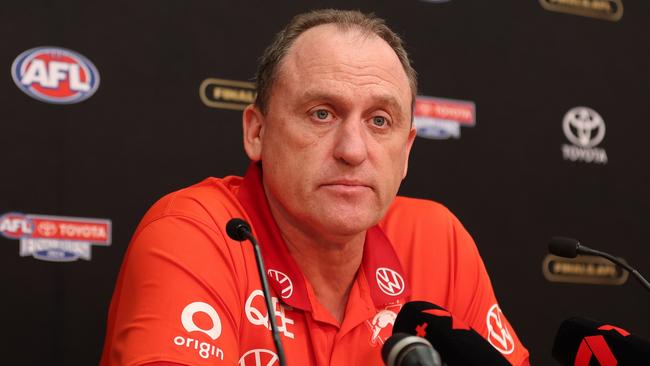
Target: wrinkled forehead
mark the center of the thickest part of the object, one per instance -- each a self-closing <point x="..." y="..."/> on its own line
<point x="329" y="51"/>
<point x="337" y="43"/>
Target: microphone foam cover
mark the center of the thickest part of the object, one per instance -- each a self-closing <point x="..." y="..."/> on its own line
<point x="457" y="344"/>
<point x="563" y="247"/>
<point x="237" y="228"/>
<point x="626" y="348"/>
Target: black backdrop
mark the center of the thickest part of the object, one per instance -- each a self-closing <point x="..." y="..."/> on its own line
<point x="146" y="132"/>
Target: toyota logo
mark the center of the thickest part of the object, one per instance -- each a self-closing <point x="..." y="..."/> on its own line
<point x="584" y="127"/>
<point x="46" y="228"/>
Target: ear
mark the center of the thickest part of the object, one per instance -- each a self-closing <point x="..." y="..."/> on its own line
<point x="253" y="127"/>
<point x="409" y="145"/>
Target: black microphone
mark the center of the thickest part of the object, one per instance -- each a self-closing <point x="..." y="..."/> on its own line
<point x="570" y="248"/>
<point x="458" y="344"/>
<point x="583" y="342"/>
<point x="402" y="349"/>
<point x="240" y="230"/>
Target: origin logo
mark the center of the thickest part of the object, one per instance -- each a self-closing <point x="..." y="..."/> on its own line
<point x="55" y="75"/>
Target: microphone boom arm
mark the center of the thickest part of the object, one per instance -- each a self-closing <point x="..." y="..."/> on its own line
<point x="581" y="249"/>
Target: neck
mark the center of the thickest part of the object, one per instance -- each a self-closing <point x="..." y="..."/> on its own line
<point x="330" y="269"/>
<point x="330" y="264"/>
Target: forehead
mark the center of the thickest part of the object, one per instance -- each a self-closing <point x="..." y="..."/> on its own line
<point x="349" y="59"/>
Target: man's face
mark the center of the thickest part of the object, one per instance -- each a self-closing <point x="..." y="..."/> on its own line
<point x="335" y="141"/>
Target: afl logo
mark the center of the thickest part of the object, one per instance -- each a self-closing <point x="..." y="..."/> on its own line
<point x="16" y="226"/>
<point x="55" y="75"/>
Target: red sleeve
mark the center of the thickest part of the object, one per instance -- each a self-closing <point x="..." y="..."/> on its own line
<point x="177" y="298"/>
<point x="476" y="303"/>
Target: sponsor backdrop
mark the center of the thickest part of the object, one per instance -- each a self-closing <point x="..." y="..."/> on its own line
<point x="532" y="123"/>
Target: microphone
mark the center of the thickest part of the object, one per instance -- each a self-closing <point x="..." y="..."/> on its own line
<point x="402" y="349"/>
<point x="581" y="341"/>
<point x="570" y="248"/>
<point x="457" y="343"/>
<point x="238" y="229"/>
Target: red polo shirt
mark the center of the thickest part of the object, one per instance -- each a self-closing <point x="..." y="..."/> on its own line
<point x="188" y="294"/>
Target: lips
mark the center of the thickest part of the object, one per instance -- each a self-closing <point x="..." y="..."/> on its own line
<point x="347" y="185"/>
<point x="347" y="182"/>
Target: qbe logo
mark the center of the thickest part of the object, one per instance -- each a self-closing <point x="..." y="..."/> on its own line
<point x="55" y="238"/>
<point x="255" y="309"/>
<point x="55" y="75"/>
<point x="209" y="324"/>
<point x="585" y="129"/>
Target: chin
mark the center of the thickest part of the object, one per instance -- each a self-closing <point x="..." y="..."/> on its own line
<point x="347" y="225"/>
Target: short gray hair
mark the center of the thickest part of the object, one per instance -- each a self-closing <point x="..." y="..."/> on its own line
<point x="267" y="69"/>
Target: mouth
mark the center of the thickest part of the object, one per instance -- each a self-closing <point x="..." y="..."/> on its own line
<point x="347" y="186"/>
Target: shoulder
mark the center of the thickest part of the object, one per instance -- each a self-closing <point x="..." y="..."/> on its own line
<point x="186" y="230"/>
<point x="424" y="227"/>
<point x="189" y="225"/>
<point x="209" y="202"/>
<point x="412" y="213"/>
<point x="181" y="255"/>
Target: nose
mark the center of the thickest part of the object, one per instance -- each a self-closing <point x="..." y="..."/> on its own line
<point x="351" y="145"/>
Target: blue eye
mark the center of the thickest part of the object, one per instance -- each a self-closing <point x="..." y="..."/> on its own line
<point x="321" y="114"/>
<point x="379" y="121"/>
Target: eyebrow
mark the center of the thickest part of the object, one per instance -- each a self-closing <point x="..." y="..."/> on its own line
<point x="380" y="99"/>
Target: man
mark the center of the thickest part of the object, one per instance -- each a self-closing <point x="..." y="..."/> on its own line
<point x="329" y="138"/>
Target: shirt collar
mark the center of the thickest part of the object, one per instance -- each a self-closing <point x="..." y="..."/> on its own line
<point x="381" y="266"/>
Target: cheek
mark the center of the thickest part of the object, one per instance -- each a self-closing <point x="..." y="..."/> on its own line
<point x="392" y="168"/>
<point x="290" y="159"/>
<point x="289" y="137"/>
